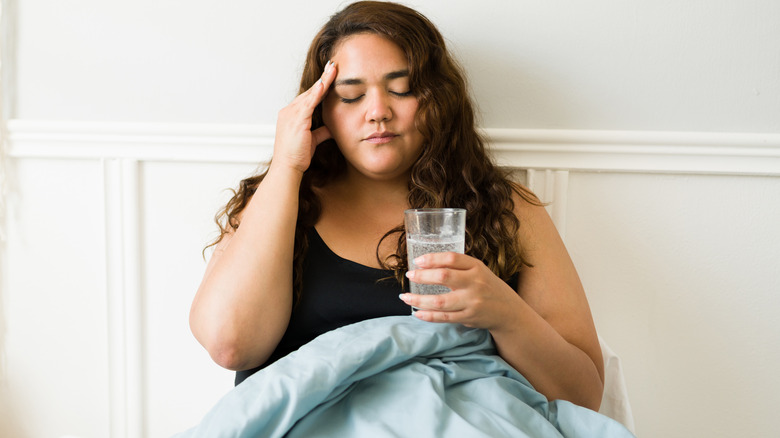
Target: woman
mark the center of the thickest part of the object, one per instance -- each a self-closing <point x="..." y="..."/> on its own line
<point x="383" y="123"/>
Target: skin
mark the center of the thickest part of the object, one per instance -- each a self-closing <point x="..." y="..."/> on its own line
<point x="371" y="114"/>
<point x="544" y="329"/>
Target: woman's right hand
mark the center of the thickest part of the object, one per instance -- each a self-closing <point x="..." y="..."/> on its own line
<point x="295" y="141"/>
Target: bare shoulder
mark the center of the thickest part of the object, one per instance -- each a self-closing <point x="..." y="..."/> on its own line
<point x="537" y="229"/>
<point x="552" y="276"/>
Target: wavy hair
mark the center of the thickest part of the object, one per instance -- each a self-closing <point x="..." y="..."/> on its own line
<point x="454" y="169"/>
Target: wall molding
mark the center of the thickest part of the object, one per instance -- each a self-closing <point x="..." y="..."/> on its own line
<point x="639" y="151"/>
<point x="573" y="150"/>
<point x="140" y="141"/>
<point x="124" y="296"/>
<point x="552" y="188"/>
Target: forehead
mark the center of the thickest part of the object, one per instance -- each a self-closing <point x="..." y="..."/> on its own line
<point x="366" y="54"/>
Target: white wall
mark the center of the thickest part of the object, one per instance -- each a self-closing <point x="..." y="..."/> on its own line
<point x="694" y="65"/>
<point x="663" y="118"/>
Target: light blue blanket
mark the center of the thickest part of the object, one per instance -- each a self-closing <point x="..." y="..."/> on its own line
<point x="396" y="377"/>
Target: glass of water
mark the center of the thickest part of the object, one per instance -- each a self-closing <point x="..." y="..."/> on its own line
<point x="430" y="230"/>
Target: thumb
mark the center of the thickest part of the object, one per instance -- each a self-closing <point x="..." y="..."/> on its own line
<point x="320" y="134"/>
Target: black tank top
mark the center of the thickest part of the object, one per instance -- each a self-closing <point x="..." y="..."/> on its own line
<point x="337" y="292"/>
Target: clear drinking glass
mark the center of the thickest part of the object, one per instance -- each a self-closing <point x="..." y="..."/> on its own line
<point x="430" y="230"/>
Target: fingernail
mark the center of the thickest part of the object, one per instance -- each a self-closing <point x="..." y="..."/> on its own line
<point x="419" y="260"/>
<point x="409" y="274"/>
<point x="402" y="297"/>
<point x="327" y="66"/>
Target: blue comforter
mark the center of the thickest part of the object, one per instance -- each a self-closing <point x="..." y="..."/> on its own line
<point x="396" y="377"/>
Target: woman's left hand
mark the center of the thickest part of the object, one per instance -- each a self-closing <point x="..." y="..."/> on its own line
<point x="478" y="298"/>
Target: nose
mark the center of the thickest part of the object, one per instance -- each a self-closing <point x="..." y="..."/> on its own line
<point x="378" y="109"/>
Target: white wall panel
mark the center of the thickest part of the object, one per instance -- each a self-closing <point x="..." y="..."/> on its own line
<point x="179" y="201"/>
<point x="82" y="360"/>
<point x="681" y="273"/>
<point x="55" y="305"/>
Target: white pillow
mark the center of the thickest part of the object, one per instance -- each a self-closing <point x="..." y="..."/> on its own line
<point x="614" y="402"/>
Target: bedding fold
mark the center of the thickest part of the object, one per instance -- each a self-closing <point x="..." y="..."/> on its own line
<point x="396" y="377"/>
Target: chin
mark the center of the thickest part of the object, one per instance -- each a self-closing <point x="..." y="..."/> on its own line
<point x="388" y="171"/>
<point x="382" y="174"/>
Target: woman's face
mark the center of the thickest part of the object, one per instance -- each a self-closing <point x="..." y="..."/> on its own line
<point x="370" y="110"/>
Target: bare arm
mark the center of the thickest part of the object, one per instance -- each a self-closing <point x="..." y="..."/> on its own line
<point x="550" y="337"/>
<point x="244" y="302"/>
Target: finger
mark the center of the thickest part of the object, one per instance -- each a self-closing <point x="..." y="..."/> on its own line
<point x="444" y="260"/>
<point x="437" y="316"/>
<point x="448" y="302"/>
<point x="452" y="278"/>
<point x="314" y="95"/>
<point x="328" y="75"/>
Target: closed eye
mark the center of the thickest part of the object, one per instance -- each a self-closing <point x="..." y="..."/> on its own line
<point x="394" y="93"/>
<point x="353" y="100"/>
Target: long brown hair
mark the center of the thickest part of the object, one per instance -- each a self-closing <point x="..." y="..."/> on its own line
<point x="454" y="169"/>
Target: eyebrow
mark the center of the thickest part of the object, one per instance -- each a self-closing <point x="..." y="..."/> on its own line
<point x="388" y="77"/>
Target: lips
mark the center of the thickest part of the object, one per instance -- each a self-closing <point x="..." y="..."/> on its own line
<point x="381" y="137"/>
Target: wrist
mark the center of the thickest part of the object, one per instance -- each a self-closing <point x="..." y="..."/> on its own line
<point x="286" y="170"/>
<point x="513" y="319"/>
